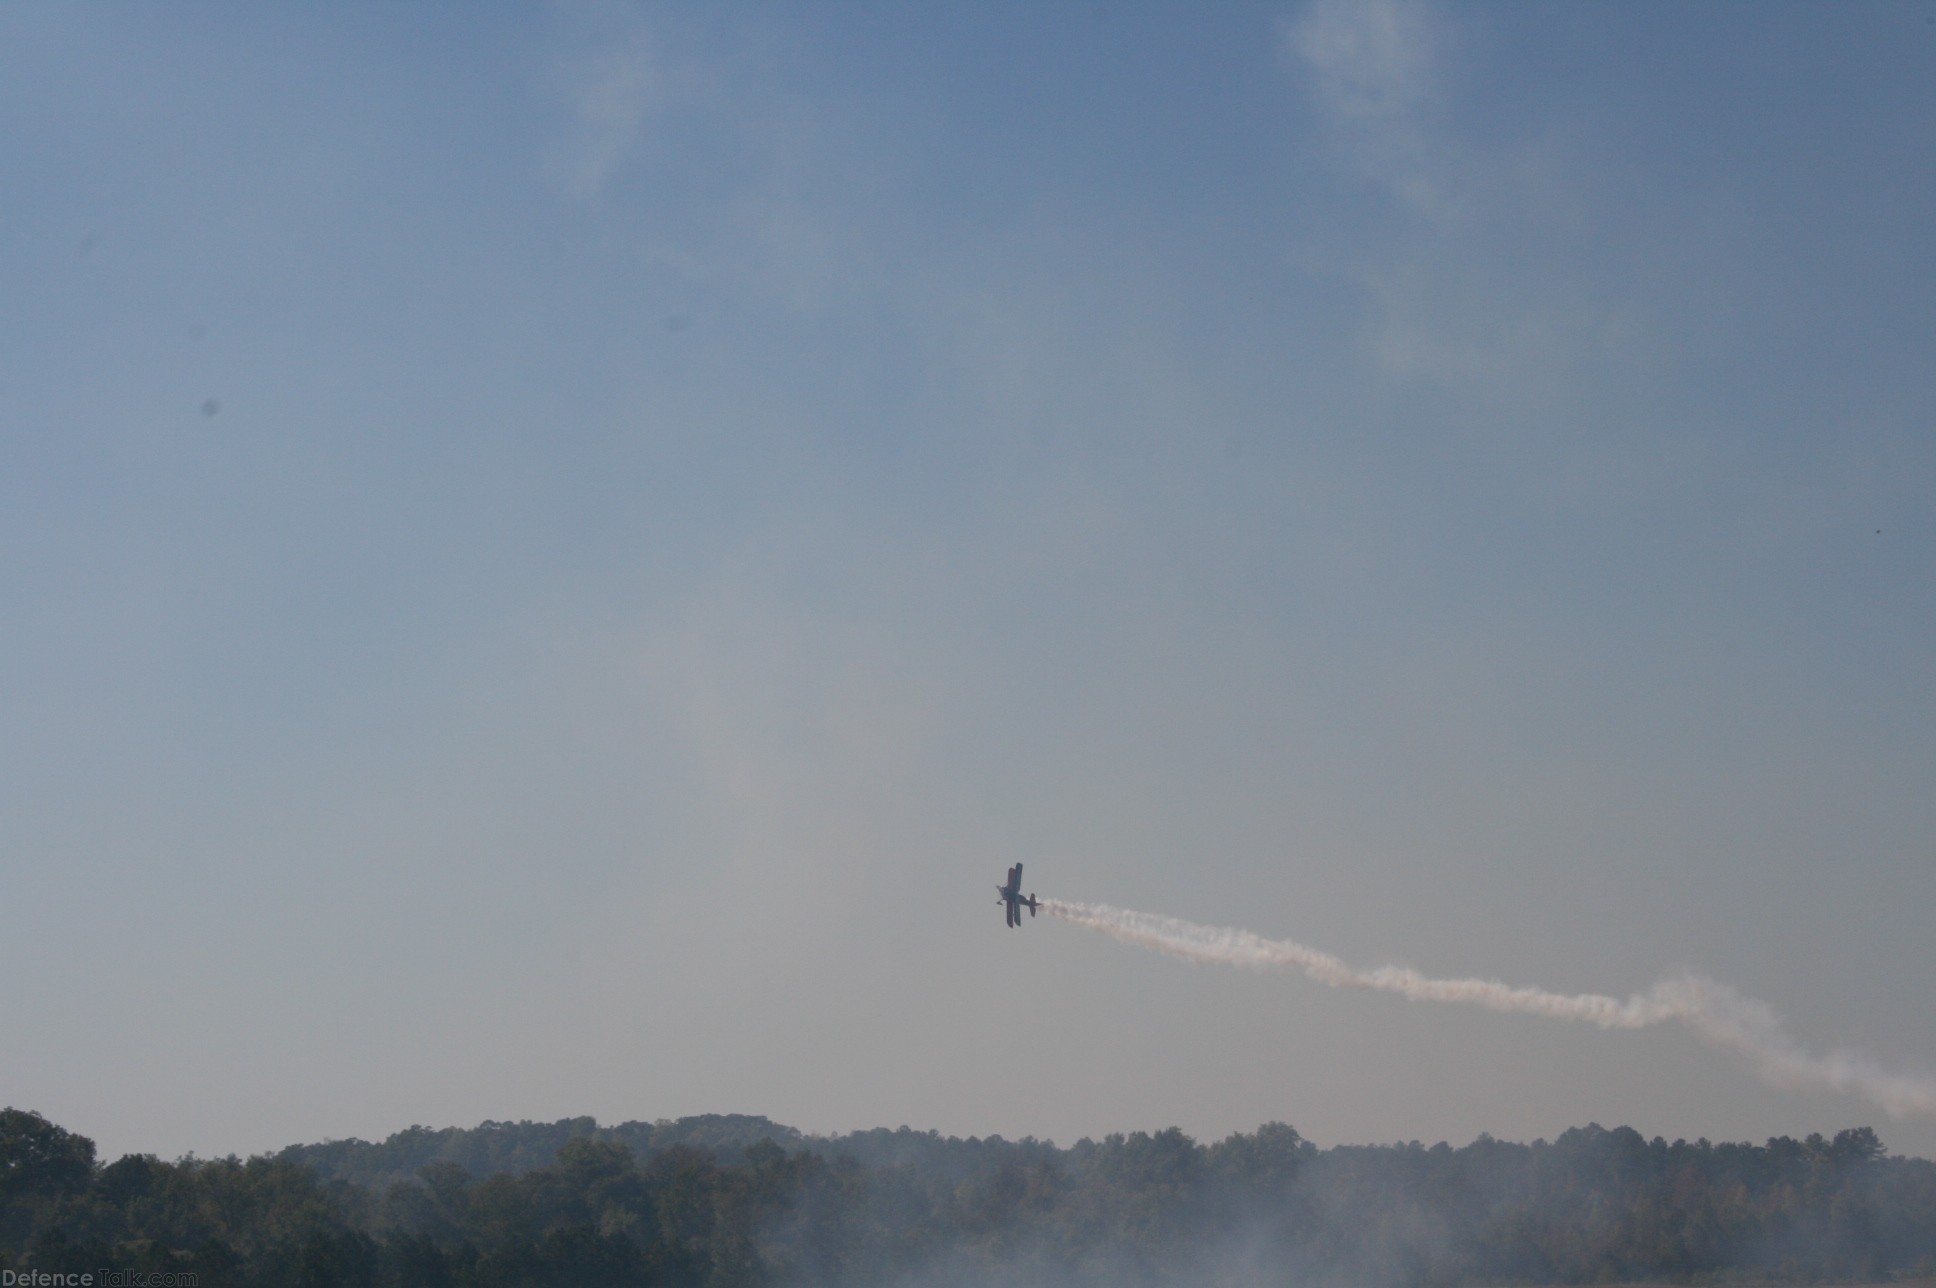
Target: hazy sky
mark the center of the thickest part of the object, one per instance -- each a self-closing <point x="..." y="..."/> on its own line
<point x="551" y="556"/>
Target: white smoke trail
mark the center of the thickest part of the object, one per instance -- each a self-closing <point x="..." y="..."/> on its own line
<point x="1713" y="1010"/>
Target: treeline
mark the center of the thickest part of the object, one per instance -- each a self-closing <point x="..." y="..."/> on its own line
<point x="575" y="1204"/>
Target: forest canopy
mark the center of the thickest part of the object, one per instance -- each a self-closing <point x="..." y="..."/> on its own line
<point x="726" y="1200"/>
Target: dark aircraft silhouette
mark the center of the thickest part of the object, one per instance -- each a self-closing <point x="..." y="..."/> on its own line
<point x="1012" y="901"/>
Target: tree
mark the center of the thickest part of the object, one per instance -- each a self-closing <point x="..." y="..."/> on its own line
<point x="38" y="1159"/>
<point x="1855" y="1146"/>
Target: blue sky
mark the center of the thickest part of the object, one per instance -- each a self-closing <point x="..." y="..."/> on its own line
<point x="553" y="553"/>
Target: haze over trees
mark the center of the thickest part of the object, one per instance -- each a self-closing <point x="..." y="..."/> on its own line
<point x="737" y="1200"/>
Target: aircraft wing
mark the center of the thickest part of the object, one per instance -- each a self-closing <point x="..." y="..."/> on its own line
<point x="1012" y="896"/>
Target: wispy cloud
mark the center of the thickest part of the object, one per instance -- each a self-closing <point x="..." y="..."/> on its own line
<point x="1371" y="65"/>
<point x="610" y="88"/>
<point x="1490" y="281"/>
<point x="1372" y="58"/>
<point x="722" y="175"/>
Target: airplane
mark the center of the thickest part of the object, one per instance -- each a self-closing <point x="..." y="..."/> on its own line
<point x="1012" y="901"/>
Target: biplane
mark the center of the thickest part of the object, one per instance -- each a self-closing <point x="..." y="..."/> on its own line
<point x="1012" y="900"/>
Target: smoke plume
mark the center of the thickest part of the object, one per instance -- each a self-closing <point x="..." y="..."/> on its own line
<point x="1713" y="1010"/>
